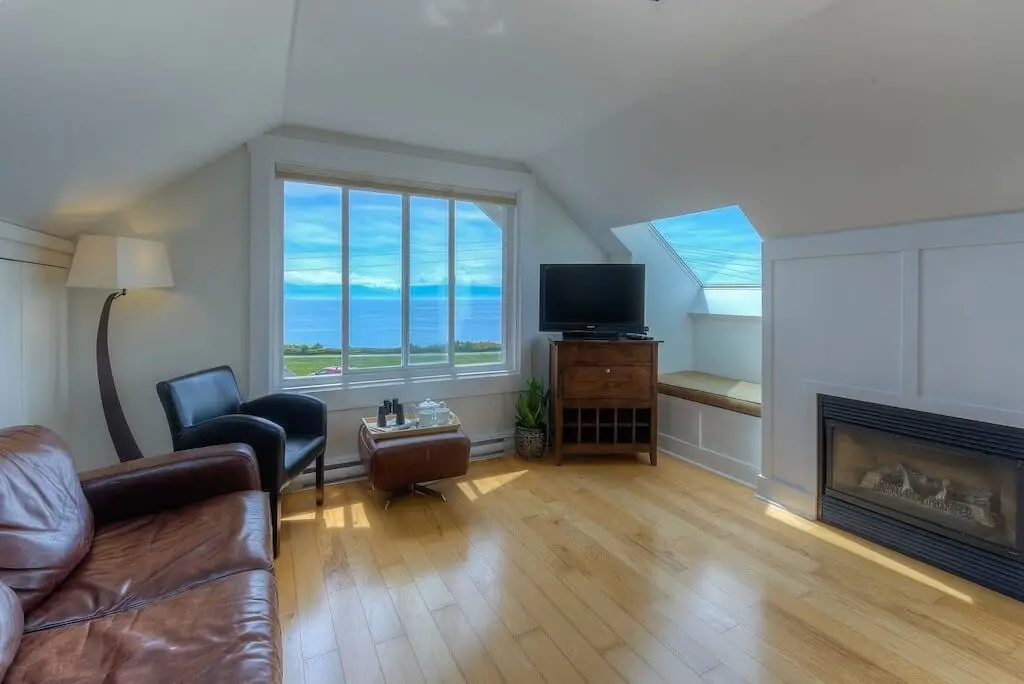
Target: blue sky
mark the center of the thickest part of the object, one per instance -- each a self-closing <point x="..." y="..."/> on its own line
<point x="312" y="235"/>
<point x="720" y="245"/>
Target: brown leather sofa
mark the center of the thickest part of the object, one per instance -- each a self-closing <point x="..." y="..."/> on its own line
<point x="151" y="571"/>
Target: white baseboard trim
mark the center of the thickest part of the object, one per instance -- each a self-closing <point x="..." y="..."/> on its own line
<point x="793" y="499"/>
<point x="720" y="464"/>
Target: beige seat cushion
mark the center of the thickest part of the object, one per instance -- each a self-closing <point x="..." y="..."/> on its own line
<point x="713" y="390"/>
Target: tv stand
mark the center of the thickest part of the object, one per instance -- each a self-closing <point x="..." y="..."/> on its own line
<point x="604" y="397"/>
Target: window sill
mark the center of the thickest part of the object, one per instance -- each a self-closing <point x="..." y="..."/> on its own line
<point x="354" y="393"/>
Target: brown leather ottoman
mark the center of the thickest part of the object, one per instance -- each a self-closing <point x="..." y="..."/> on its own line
<point x="399" y="464"/>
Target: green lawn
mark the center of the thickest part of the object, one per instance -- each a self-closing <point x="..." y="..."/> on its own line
<point x="307" y="364"/>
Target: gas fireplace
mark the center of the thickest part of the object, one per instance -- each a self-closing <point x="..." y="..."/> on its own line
<point x="945" y="490"/>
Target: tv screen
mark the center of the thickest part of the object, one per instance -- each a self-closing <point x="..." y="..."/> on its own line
<point x="592" y="297"/>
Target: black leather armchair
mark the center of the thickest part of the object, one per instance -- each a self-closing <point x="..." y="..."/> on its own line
<point x="286" y="431"/>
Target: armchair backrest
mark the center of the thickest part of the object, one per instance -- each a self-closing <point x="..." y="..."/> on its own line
<point x="197" y="397"/>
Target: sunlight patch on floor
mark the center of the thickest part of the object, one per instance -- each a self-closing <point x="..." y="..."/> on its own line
<point x="351" y="516"/>
<point x="483" y="485"/>
<point x="831" y="537"/>
<point x="308" y="516"/>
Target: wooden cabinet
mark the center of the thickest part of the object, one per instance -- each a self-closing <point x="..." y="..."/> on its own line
<point x="604" y="397"/>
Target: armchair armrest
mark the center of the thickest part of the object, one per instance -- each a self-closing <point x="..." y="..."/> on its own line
<point x="298" y="414"/>
<point x="150" y="485"/>
<point x="265" y="437"/>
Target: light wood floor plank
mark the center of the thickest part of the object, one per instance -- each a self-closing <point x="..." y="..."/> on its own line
<point x="632" y="667"/>
<point x="324" y="669"/>
<point x="411" y="529"/>
<point x="508" y="538"/>
<point x="398" y="662"/>
<point x="288" y="611"/>
<point x="507" y="655"/>
<point x="381" y="617"/>
<point x="607" y="570"/>
<point x="355" y="644"/>
<point x="315" y="623"/>
<point x="469" y="652"/>
<point x="548" y="659"/>
<point x="431" y="651"/>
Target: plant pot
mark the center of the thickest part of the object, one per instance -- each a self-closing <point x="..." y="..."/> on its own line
<point x="530" y="443"/>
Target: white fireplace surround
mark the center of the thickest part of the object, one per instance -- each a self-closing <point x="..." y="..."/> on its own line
<point x="927" y="316"/>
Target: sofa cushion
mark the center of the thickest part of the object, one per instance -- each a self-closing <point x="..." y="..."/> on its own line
<point x="10" y="627"/>
<point x="46" y="525"/>
<point x="222" y="631"/>
<point x="144" y="559"/>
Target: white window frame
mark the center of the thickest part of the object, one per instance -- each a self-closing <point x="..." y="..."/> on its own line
<point x="366" y="388"/>
<point x="406" y="370"/>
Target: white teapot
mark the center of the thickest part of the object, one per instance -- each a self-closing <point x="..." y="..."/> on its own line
<point x="432" y="413"/>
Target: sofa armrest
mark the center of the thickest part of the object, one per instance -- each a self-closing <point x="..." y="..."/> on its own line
<point x="150" y="485"/>
<point x="298" y="414"/>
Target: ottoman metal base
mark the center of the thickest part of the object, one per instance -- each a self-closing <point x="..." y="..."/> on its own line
<point x="423" y="490"/>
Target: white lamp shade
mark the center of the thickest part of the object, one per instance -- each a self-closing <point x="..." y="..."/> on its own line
<point x="119" y="263"/>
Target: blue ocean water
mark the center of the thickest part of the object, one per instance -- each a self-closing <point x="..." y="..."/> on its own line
<point x="377" y="320"/>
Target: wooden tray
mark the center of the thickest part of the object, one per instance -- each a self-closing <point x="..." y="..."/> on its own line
<point x="390" y="432"/>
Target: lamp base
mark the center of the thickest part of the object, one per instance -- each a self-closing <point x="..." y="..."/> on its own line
<point x="125" y="446"/>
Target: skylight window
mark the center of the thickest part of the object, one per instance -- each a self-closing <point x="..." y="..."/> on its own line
<point x="720" y="246"/>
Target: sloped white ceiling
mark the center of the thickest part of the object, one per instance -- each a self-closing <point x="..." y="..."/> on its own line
<point x="812" y="115"/>
<point x="868" y="113"/>
<point x="101" y="100"/>
<point x="505" y="78"/>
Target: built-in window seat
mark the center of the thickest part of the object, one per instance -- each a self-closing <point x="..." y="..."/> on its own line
<point x="714" y="390"/>
<point x="711" y="421"/>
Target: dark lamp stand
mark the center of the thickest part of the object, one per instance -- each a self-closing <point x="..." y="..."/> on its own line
<point x="120" y="434"/>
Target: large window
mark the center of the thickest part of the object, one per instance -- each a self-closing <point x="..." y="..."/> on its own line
<point x="385" y="282"/>
<point x="719" y="246"/>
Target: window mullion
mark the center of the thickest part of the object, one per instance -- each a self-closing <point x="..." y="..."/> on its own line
<point x="406" y="311"/>
<point x="345" y="299"/>
<point x="451" y="282"/>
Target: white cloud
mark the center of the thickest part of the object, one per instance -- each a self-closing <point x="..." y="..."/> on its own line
<point x="312" y="277"/>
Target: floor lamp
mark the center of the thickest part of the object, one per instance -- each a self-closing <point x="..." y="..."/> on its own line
<point x="119" y="264"/>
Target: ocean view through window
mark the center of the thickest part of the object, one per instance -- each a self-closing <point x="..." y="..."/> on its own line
<point x="380" y="281"/>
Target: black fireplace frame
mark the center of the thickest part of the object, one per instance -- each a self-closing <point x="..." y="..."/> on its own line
<point x="977" y="560"/>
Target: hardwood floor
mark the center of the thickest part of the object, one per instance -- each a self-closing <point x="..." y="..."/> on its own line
<point x="608" y="570"/>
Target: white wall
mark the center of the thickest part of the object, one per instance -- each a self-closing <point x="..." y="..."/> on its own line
<point x="924" y="316"/>
<point x="158" y="334"/>
<point x="204" y="320"/>
<point x="34" y="320"/>
<point x="724" y="442"/>
<point x="670" y="293"/>
<point x="727" y="345"/>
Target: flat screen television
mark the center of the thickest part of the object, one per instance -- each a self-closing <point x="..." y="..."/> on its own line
<point x="599" y="299"/>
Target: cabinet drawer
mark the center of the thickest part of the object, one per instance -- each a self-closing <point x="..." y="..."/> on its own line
<point x="601" y="354"/>
<point x="611" y="382"/>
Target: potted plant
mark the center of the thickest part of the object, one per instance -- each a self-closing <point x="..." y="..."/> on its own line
<point x="531" y="433"/>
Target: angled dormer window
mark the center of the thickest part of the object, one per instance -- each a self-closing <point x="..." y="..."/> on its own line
<point x="719" y="246"/>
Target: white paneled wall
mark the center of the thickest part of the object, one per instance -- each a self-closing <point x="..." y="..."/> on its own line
<point x="725" y="442"/>
<point x="33" y="346"/>
<point x="924" y="316"/>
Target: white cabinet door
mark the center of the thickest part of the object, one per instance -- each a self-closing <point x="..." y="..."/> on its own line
<point x="10" y="343"/>
<point x="44" y="322"/>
